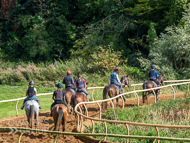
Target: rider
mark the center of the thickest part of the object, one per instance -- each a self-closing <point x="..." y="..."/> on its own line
<point x="31" y="93"/>
<point x="114" y="79"/>
<point x="153" y="75"/>
<point x="81" y="85"/>
<point x="58" y="97"/>
<point x="68" y="81"/>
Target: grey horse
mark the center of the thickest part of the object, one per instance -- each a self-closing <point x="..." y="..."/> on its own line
<point x="32" y="109"/>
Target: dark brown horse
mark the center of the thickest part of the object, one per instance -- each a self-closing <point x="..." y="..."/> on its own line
<point x="149" y="84"/>
<point x="59" y="113"/>
<point x="68" y="97"/>
<point x="79" y="97"/>
<point x="112" y="91"/>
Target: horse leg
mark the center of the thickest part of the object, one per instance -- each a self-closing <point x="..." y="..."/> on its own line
<point x="35" y="121"/>
<point x="123" y="97"/>
<point x="144" y="97"/>
<point x="157" y="95"/>
<point x="117" y="102"/>
<point x="68" y="108"/>
<point x="64" y="120"/>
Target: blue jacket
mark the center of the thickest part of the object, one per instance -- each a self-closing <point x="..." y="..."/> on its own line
<point x="113" y="77"/>
<point x="153" y="74"/>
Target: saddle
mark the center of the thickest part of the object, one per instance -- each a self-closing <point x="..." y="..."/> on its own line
<point x="150" y="81"/>
<point x="82" y="93"/>
<point x="72" y="90"/>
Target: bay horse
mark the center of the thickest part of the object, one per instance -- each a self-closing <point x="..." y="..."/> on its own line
<point x="32" y="109"/>
<point x="68" y="97"/>
<point x="79" y="97"/>
<point x="149" y="84"/>
<point x="59" y="113"/>
<point x="112" y="90"/>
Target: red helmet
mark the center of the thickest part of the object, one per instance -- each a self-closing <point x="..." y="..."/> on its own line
<point x="68" y="72"/>
<point x="116" y="69"/>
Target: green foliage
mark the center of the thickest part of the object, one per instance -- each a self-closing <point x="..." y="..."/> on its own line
<point x="151" y="34"/>
<point x="171" y="51"/>
<point x="105" y="59"/>
<point x="171" y="112"/>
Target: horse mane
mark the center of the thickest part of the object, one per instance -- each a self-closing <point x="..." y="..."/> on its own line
<point x="159" y="77"/>
<point x="122" y="78"/>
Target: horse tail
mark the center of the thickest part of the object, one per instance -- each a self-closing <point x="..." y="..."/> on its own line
<point x="144" y="87"/>
<point x="105" y="96"/>
<point x="74" y="102"/>
<point x="31" y="111"/>
<point x="60" y="114"/>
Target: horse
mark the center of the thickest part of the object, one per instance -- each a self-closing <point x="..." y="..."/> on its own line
<point x="79" y="97"/>
<point x="112" y="90"/>
<point x="149" y="84"/>
<point x="59" y="113"/>
<point x="68" y="97"/>
<point x="32" y="109"/>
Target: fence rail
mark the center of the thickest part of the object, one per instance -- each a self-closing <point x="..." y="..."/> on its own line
<point x="18" y="99"/>
<point x="92" y="134"/>
<point x="81" y="116"/>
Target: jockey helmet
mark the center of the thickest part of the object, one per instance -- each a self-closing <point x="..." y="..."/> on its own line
<point x="153" y="66"/>
<point x="116" y="69"/>
<point x="68" y="72"/>
<point x="59" y="85"/>
<point x="79" y="75"/>
<point x="31" y="83"/>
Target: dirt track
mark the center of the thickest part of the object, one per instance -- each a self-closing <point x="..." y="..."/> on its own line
<point x="46" y="121"/>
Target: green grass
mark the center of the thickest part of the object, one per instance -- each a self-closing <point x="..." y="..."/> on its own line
<point x="170" y="112"/>
<point x="11" y="92"/>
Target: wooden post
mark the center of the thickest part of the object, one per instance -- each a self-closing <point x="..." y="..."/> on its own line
<point x="92" y="94"/>
<point x="105" y="130"/>
<point x="16" y="107"/>
<point x="127" y="131"/>
<point x="92" y="126"/>
<point x="100" y="110"/>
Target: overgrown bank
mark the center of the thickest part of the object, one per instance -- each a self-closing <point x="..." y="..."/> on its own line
<point x="170" y="112"/>
<point x="48" y="73"/>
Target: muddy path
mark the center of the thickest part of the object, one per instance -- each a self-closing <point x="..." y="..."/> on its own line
<point x="46" y="122"/>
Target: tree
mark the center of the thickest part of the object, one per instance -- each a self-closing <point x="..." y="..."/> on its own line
<point x="170" y="52"/>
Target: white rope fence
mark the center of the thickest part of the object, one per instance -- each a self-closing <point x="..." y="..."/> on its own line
<point x="18" y="99"/>
<point x="126" y="123"/>
<point x="81" y="116"/>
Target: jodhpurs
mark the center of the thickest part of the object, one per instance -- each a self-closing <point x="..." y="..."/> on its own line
<point x="83" y="90"/>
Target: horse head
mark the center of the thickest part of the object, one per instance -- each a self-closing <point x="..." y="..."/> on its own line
<point x="125" y="80"/>
<point x="86" y="86"/>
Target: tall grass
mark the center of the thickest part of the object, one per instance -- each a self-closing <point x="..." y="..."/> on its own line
<point x="170" y="112"/>
<point x="20" y="72"/>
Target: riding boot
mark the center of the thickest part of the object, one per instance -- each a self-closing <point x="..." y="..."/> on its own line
<point x="39" y="104"/>
<point x="22" y="107"/>
<point x="120" y="92"/>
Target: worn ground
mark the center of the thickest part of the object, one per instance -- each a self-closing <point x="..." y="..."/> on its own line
<point x="46" y="122"/>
